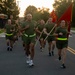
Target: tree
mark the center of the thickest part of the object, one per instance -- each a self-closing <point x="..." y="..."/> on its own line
<point x="30" y="9"/>
<point x="1" y="6"/>
<point x="9" y="7"/>
<point x="38" y="13"/>
<point x="60" y="6"/>
<point x="36" y="16"/>
<point x="45" y="14"/>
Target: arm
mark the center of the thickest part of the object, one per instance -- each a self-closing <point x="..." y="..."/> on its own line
<point x="45" y="31"/>
<point x="57" y="32"/>
<point x="70" y="33"/>
<point x="37" y="30"/>
<point x="26" y="27"/>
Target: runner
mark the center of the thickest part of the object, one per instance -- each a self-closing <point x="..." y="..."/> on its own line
<point x="62" y="42"/>
<point x="40" y="32"/>
<point x="12" y="20"/>
<point x="13" y="23"/>
<point x="9" y="35"/>
<point x="29" y="38"/>
<point x="16" y="31"/>
<point x="51" y="39"/>
<point x="21" y="32"/>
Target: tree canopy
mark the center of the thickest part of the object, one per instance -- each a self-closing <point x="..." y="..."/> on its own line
<point x="60" y="7"/>
<point x="9" y="7"/>
<point x="37" y="13"/>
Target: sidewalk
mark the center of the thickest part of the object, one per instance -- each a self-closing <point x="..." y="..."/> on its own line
<point x="2" y="35"/>
<point x="72" y="31"/>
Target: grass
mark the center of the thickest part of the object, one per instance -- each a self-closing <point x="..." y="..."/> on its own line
<point x="1" y="31"/>
<point x="72" y="28"/>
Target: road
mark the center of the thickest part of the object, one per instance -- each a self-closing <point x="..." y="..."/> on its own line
<point x="14" y="63"/>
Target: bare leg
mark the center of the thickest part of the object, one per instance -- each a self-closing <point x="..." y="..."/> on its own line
<point x="32" y="51"/>
<point x="31" y="54"/>
<point x="11" y="45"/>
<point x="50" y="49"/>
<point x="8" y="44"/>
<point x="59" y="53"/>
<point x="27" y="50"/>
<point x="42" y="44"/>
<point x="64" y="55"/>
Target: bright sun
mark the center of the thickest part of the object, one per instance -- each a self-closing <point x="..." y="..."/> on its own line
<point x="23" y="4"/>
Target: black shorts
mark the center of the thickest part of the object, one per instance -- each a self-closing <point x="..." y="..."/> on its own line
<point x="9" y="37"/>
<point x="60" y="44"/>
<point x="50" y="39"/>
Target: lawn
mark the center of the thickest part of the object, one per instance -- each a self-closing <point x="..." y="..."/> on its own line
<point x="1" y="30"/>
<point x="73" y="28"/>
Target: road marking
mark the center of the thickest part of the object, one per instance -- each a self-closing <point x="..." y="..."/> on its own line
<point x="71" y="50"/>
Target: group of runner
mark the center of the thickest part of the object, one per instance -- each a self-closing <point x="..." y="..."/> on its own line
<point x="29" y="30"/>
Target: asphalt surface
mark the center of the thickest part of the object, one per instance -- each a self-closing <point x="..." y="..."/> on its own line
<point x="14" y="63"/>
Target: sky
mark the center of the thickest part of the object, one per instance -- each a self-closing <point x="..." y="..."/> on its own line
<point x="23" y="4"/>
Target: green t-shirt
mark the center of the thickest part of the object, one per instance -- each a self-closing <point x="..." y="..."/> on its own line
<point x="15" y="28"/>
<point x="30" y="30"/>
<point x="12" y="21"/>
<point x="62" y="30"/>
<point x="49" y="28"/>
<point x="40" y="27"/>
<point x="8" y="28"/>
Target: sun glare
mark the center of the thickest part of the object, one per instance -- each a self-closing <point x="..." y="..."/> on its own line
<point x="23" y="4"/>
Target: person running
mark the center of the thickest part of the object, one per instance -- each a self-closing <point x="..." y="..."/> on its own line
<point x="21" y="33"/>
<point x="12" y="20"/>
<point x="37" y="34"/>
<point x="16" y="31"/>
<point x="9" y="35"/>
<point x="29" y="38"/>
<point x="40" y="28"/>
<point x="51" y="38"/>
<point x="62" y="41"/>
<point x="14" y="25"/>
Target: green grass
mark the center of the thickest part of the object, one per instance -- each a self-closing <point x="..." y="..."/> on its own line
<point x="72" y="28"/>
<point x="1" y="30"/>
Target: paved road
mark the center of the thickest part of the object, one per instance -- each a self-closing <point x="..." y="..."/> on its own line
<point x="72" y="41"/>
<point x="14" y="63"/>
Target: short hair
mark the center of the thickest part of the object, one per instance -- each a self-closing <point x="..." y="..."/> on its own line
<point x="29" y="15"/>
<point x="62" y="20"/>
<point x="9" y="19"/>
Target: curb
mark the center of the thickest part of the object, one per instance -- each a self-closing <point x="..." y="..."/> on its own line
<point x="72" y="31"/>
<point x="2" y="34"/>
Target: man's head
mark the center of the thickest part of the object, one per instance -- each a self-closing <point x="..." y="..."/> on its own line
<point x="62" y="23"/>
<point x="9" y="21"/>
<point x="11" y="16"/>
<point x="42" y="22"/>
<point x="50" y="20"/>
<point x="29" y="17"/>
